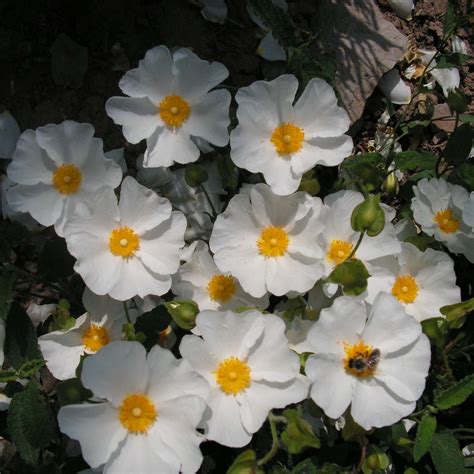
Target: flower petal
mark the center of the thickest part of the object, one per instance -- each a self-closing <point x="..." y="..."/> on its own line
<point x="96" y="427"/>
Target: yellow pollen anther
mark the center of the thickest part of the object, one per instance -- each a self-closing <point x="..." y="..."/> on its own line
<point x="287" y="139"/>
<point x="338" y="251"/>
<point x="67" y="179"/>
<point x="360" y="359"/>
<point x="95" y="337"/>
<point x="174" y="111"/>
<point x="137" y="413"/>
<point x="273" y="242"/>
<point x="405" y="289"/>
<point x="124" y="242"/>
<point x="446" y="221"/>
<point x="233" y="376"/>
<point x="221" y="288"/>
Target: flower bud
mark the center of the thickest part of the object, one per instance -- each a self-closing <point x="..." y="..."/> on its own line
<point x="368" y="216"/>
<point x="195" y="175"/>
<point x="245" y="463"/>
<point x="183" y="313"/>
<point x="390" y="185"/>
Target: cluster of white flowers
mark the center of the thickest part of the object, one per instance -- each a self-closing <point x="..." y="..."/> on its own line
<point x="150" y="412"/>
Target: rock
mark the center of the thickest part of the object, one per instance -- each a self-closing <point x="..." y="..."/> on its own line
<point x="442" y="111"/>
<point x="364" y="45"/>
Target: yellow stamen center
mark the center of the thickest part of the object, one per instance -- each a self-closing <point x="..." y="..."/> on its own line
<point x="221" y="288"/>
<point x="233" y="376"/>
<point x="446" y="221"/>
<point x="137" y="413"/>
<point x="405" y="289"/>
<point x="174" y="111"/>
<point x="273" y="242"/>
<point x="67" y="179"/>
<point x="124" y="242"/>
<point x="338" y="251"/>
<point x="287" y="139"/>
<point x="360" y="359"/>
<point x="95" y="337"/>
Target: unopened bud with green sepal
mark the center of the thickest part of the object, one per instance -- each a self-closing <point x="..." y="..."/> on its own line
<point x="245" y="463"/>
<point x="183" y="313"/>
<point x="368" y="216"/>
<point x="195" y="175"/>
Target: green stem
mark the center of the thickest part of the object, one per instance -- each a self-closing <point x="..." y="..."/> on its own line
<point x="354" y="250"/>
<point x="127" y="314"/>
<point x="463" y="430"/>
<point x="275" y="444"/>
<point x="203" y="189"/>
<point x="447" y="366"/>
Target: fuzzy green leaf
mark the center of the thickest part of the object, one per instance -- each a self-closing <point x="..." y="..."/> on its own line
<point x="415" y="160"/>
<point x="30" y="423"/>
<point x="446" y="454"/>
<point x="456" y="394"/>
<point x="21" y="343"/>
<point x="459" y="144"/>
<point x="424" y="435"/>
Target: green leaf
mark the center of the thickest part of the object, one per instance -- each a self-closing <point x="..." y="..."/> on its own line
<point x="469" y="118"/>
<point x="298" y="433"/>
<point x="458" y="310"/>
<point x="229" y="173"/>
<point x="55" y="261"/>
<point x="21" y="343"/>
<point x="424" y="435"/>
<point x="450" y="22"/>
<point x="466" y="173"/>
<point x="448" y="61"/>
<point x="8" y="375"/>
<point x="415" y="160"/>
<point x="71" y="391"/>
<point x="459" y="144"/>
<point x="30" y="368"/>
<point x="305" y="467"/>
<point x="352" y="276"/>
<point x="457" y="101"/>
<point x="30" y="423"/>
<point x="7" y="282"/>
<point x="446" y="454"/>
<point x="436" y="329"/>
<point x="456" y="394"/>
<point x="245" y="463"/>
<point x="276" y="20"/>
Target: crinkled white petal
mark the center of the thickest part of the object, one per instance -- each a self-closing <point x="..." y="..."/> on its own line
<point x="96" y="427"/>
<point x="116" y="370"/>
<point x="394" y="88"/>
<point x="9" y="134"/>
<point x="270" y="49"/>
<point x="403" y="8"/>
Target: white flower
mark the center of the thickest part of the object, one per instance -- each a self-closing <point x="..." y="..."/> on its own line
<point x="402" y="8"/>
<point x="437" y="208"/>
<point x="393" y="87"/>
<point x="281" y="140"/>
<point x="268" y="242"/>
<point x="338" y="239"/>
<point x="9" y="134"/>
<point x="101" y="324"/>
<point x="170" y="103"/>
<point x="246" y="360"/>
<point x="459" y="46"/>
<point x="56" y="167"/>
<point x="270" y="49"/>
<point x="147" y="419"/>
<point x="379" y="366"/>
<point x="468" y="211"/>
<point x="127" y="249"/>
<point x="200" y="280"/>
<point x="423" y="282"/>
<point x="39" y="313"/>
<point x="192" y="202"/>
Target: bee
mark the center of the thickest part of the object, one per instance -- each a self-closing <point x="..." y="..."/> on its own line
<point x="362" y="364"/>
